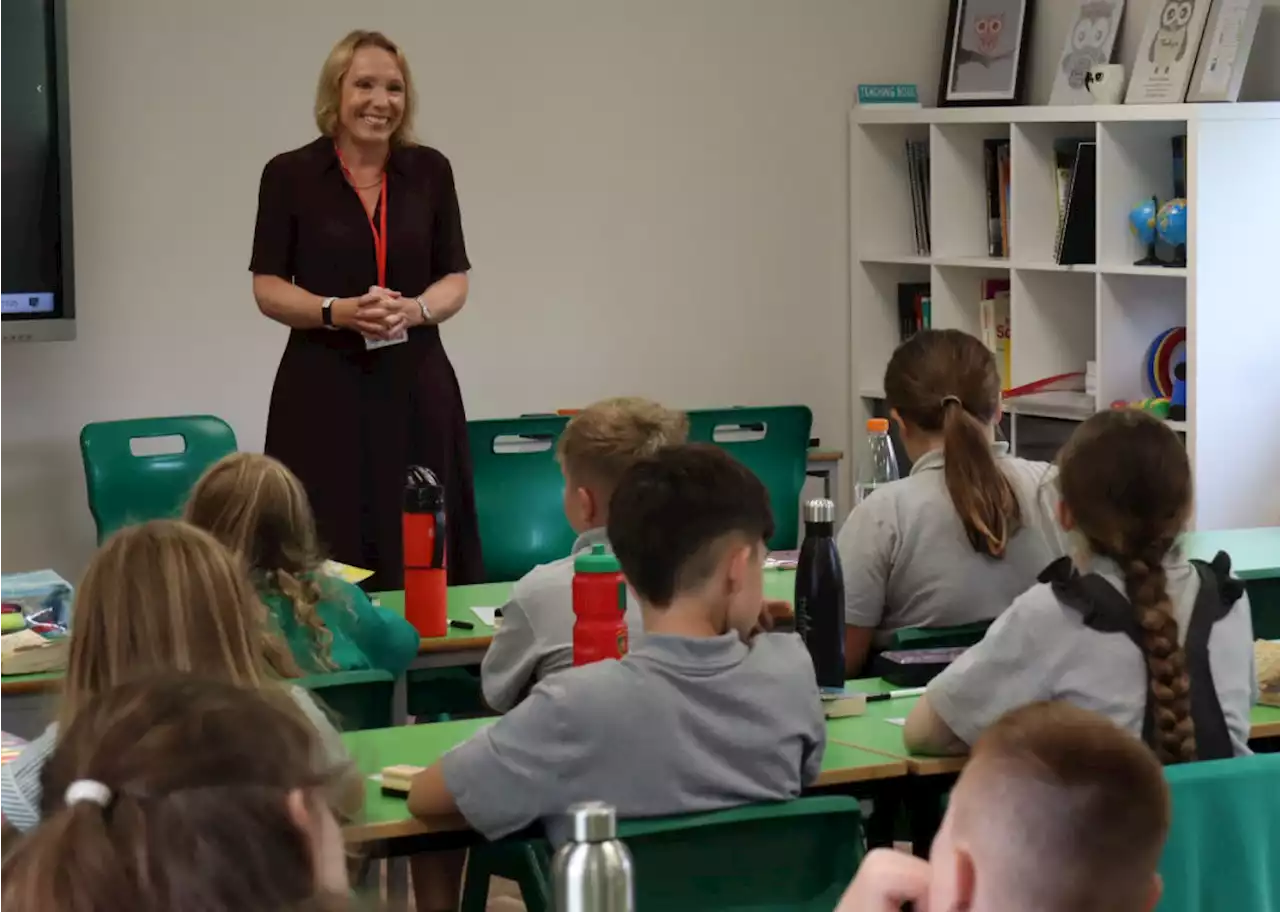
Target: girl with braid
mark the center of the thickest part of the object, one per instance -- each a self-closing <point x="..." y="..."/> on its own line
<point x="1125" y="625"/>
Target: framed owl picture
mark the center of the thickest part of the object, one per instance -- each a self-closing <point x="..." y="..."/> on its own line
<point x="985" y="59"/>
<point x="1167" y="52"/>
<point x="1089" y="44"/>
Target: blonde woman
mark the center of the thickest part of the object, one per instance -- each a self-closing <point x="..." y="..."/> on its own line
<point x="258" y="509"/>
<point x="358" y="249"/>
<point x="159" y="597"/>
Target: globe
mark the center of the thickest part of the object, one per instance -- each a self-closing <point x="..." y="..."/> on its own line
<point x="1142" y="221"/>
<point x="1171" y="222"/>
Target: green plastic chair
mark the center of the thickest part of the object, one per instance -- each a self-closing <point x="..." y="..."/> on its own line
<point x="358" y="699"/>
<point x="519" y="494"/>
<point x="938" y="637"/>
<point x="773" y="442"/>
<point x="796" y="855"/>
<point x="124" y="488"/>
<point x="1223" y="851"/>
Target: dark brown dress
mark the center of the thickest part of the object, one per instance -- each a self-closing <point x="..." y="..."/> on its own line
<point x="347" y="421"/>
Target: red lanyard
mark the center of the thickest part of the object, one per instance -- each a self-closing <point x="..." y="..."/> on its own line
<point x="379" y="231"/>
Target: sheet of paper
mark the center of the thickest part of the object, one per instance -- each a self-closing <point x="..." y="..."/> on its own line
<point x="896" y="721"/>
<point x="487" y="615"/>
<point x="371" y="344"/>
<point x="353" y="575"/>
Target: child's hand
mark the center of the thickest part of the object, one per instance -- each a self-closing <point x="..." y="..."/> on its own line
<point x="772" y="611"/>
<point x="885" y="881"/>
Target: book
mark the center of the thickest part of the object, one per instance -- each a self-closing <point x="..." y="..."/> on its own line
<point x="914" y="308"/>
<point x="1064" y="159"/>
<point x="1002" y="163"/>
<point x="918" y="176"/>
<point x="915" y="196"/>
<point x="996" y="327"/>
<point x="1077" y="240"/>
<point x="992" y="175"/>
<point x="1179" y="144"/>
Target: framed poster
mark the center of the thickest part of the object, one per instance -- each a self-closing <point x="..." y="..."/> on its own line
<point x="1224" y="52"/>
<point x="1090" y="41"/>
<point x="985" y="59"/>
<point x="1167" y="52"/>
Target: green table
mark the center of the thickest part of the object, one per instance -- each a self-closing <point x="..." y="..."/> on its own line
<point x="388" y="818"/>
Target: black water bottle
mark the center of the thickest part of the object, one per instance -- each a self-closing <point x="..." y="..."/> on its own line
<point x="820" y="594"/>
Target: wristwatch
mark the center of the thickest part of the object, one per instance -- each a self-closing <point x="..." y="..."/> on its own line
<point x="326" y="313"/>
<point x="426" y="313"/>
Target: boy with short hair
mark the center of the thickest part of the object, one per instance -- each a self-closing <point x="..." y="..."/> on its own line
<point x="705" y="712"/>
<point x="1058" y="810"/>
<point x="597" y="446"/>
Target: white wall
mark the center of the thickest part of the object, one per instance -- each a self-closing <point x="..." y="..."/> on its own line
<point x="653" y="194"/>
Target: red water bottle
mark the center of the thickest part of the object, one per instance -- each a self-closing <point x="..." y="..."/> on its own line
<point x="600" y="606"/>
<point x="426" y="597"/>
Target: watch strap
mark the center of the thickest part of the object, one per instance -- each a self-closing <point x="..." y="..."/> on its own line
<point x="326" y="313"/>
<point x="426" y="312"/>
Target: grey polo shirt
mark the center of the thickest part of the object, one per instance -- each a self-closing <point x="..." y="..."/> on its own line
<point x="908" y="563"/>
<point x="1040" y="649"/>
<point x="535" y="638"/>
<point x="681" y="724"/>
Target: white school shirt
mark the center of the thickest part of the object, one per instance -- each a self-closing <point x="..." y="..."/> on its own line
<point x="535" y="638"/>
<point x="1040" y="649"/>
<point x="908" y="563"/>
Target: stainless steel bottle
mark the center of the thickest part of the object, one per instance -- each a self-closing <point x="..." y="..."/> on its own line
<point x="592" y="871"/>
<point x="820" y="594"/>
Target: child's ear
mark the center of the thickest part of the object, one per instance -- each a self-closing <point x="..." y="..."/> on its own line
<point x="740" y="560"/>
<point x="1065" y="518"/>
<point x="897" y="419"/>
<point x="588" y="507"/>
<point x="1155" y="892"/>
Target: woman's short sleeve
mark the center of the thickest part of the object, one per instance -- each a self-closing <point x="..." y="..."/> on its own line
<point x="449" y="250"/>
<point x="276" y="233"/>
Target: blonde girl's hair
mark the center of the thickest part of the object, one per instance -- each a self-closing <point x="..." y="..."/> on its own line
<point x="946" y="382"/>
<point x="1126" y="481"/>
<point x="164" y="596"/>
<point x="336" y="65"/>
<point x="260" y="511"/>
<point x="195" y="815"/>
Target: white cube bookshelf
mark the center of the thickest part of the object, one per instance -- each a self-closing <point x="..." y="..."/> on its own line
<point x="1108" y="312"/>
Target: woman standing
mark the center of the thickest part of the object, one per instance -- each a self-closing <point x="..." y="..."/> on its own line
<point x="358" y="249"/>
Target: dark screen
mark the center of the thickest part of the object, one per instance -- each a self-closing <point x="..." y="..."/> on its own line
<point x="31" y="252"/>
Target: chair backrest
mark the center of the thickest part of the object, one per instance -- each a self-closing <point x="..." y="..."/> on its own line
<point x="1223" y="851"/>
<point x="359" y="699"/>
<point x="519" y="494"/>
<point x="126" y="488"/>
<point x="773" y="442"/>
<point x="798" y="855"/>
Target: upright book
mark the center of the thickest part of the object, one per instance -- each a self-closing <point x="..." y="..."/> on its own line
<point x="1077" y="240"/>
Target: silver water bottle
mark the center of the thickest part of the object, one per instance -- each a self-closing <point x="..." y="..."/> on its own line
<point x="592" y="871"/>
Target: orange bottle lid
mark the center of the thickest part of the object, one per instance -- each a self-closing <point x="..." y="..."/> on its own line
<point x="877" y="425"/>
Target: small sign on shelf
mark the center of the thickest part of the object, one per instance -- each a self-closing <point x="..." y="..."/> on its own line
<point x="888" y="95"/>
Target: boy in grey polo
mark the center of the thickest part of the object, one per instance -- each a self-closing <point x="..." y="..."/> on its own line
<point x="706" y="712"/>
<point x="535" y="637"/>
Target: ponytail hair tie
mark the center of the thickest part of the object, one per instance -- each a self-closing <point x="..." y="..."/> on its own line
<point x="948" y="400"/>
<point x="89" y="790"/>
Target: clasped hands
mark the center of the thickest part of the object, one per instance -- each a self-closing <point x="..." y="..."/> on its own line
<point x="379" y="313"/>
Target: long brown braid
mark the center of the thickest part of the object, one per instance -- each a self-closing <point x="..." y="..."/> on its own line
<point x="1126" y="483"/>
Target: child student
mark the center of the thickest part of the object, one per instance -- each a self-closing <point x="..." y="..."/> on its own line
<point x="535" y="638"/>
<point x="158" y="597"/>
<point x="258" y="508"/>
<point x="1126" y="626"/>
<point x="181" y="793"/>
<point x="701" y="714"/>
<point x="1058" y="810"/>
<point x="968" y="530"/>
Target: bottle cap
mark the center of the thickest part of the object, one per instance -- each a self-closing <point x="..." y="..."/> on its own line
<point x="819" y="510"/>
<point x="423" y="492"/>
<point x="597" y="560"/>
<point x="593" y="821"/>
<point x="877" y="425"/>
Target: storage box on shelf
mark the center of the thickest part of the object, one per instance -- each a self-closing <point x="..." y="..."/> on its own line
<point x="1108" y="310"/>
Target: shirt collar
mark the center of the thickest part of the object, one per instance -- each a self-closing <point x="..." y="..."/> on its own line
<point x="326" y="157"/>
<point x="694" y="656"/>
<point x="934" y="458"/>
<point x="585" y="541"/>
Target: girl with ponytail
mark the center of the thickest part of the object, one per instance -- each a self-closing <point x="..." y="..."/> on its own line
<point x="1125" y="626"/>
<point x="184" y="793"/>
<point x="957" y="540"/>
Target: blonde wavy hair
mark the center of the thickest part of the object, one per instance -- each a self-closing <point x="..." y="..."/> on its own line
<point x="336" y="65"/>
<point x="165" y="596"/>
<point x="258" y="509"/>
<point x="603" y="440"/>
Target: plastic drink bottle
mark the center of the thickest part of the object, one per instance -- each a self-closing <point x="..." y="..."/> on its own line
<point x="599" y="607"/>
<point x="878" y="465"/>
<point x="426" y="597"/>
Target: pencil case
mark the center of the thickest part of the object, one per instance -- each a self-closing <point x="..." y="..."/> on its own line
<point x="914" y="667"/>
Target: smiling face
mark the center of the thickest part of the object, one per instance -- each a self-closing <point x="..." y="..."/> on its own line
<point x="373" y="96"/>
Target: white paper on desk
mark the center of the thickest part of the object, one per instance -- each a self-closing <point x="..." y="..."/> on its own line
<point x="896" y="721"/>
<point x="487" y="616"/>
<point x="371" y="344"/>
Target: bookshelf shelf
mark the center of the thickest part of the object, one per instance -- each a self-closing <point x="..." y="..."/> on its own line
<point x="1107" y="311"/>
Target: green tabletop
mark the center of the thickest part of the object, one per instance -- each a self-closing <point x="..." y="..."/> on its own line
<point x="1264" y="722"/>
<point x="461" y="600"/>
<point x="37" y="682"/>
<point x="387" y="817"/>
<point x="1255" y="553"/>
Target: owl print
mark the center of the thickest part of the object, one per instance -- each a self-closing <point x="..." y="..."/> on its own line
<point x="1090" y="42"/>
<point x="1170" y="43"/>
